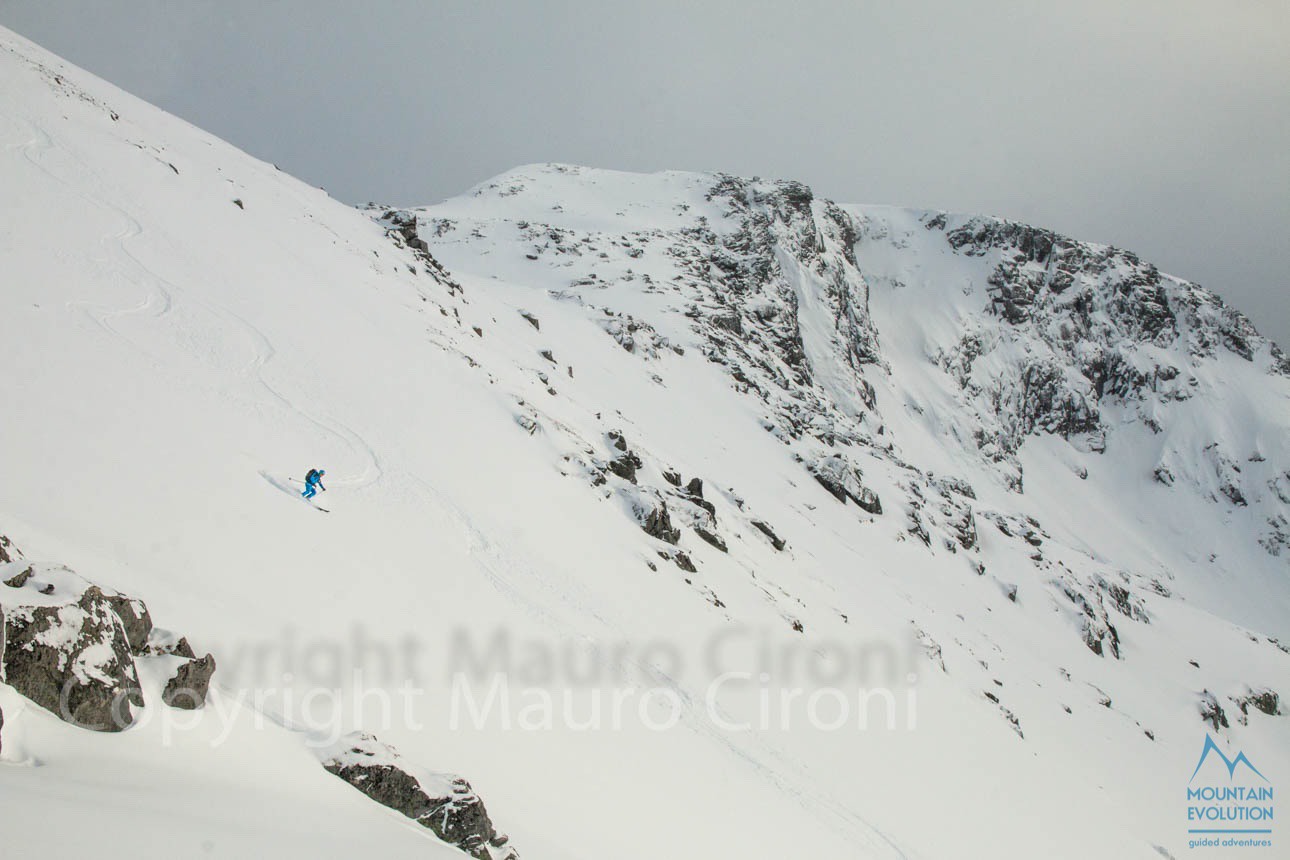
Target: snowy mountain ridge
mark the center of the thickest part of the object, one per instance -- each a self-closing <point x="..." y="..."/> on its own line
<point x="1033" y="333"/>
<point x="715" y="425"/>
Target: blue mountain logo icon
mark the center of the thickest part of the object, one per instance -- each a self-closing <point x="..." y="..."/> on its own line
<point x="1231" y="763"/>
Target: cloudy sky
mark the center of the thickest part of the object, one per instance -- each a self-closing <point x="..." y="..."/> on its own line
<point x="1162" y="126"/>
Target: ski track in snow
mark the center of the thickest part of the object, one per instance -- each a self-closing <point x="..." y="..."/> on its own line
<point x="161" y="300"/>
<point x="102" y="316"/>
<point x="255" y="369"/>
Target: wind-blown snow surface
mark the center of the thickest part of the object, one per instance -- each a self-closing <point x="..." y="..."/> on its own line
<point x="183" y="328"/>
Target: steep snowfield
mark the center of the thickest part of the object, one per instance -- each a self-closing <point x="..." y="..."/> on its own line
<point x="185" y="328"/>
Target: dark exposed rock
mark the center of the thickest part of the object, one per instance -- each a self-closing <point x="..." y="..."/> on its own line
<point x="70" y="656"/>
<point x="1266" y="701"/>
<point x="532" y="320"/>
<point x="1211" y="711"/>
<point x="915" y="526"/>
<point x="961" y="524"/>
<point x="625" y="466"/>
<point x="134" y="617"/>
<point x="843" y="480"/>
<point x="703" y="503"/>
<point x="635" y="336"/>
<point x="188" y="688"/>
<point x="711" y="538"/>
<point x="1277" y="539"/>
<point x="695" y="487"/>
<point x="681" y="560"/>
<point x="1100" y="634"/>
<point x="957" y="486"/>
<point x="672" y="477"/>
<point x="403" y="232"/>
<point x="656" y="522"/>
<point x="775" y="540"/>
<point x="832" y="486"/>
<point x="868" y="500"/>
<point x="18" y="580"/>
<point x="8" y="552"/>
<point x="444" y="803"/>
<point x="1125" y="602"/>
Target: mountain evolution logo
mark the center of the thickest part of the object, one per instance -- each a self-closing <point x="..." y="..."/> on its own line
<point x="1229" y="815"/>
<point x="1231" y="763"/>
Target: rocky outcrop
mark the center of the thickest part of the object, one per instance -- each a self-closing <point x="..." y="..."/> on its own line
<point x="187" y="689"/>
<point x="72" y="648"/>
<point x="680" y="559"/>
<point x="843" y="480"/>
<point x="1211" y="711"/>
<point x="711" y="538"/>
<point x="1079" y="327"/>
<point x="1100" y="635"/>
<point x="656" y="523"/>
<point x="625" y="466"/>
<point x="66" y="649"/>
<point x="1094" y="598"/>
<point x="636" y="336"/>
<point x="775" y="540"/>
<point x="1264" y="700"/>
<point x="401" y="228"/>
<point x="444" y="803"/>
<point x="8" y="552"/>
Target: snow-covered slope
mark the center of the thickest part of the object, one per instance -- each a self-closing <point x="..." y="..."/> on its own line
<point x="1049" y="482"/>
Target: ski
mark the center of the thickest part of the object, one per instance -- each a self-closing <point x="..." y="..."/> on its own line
<point x="306" y="501"/>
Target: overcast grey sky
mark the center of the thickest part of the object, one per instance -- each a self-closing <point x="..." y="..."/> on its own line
<point x="1162" y="126"/>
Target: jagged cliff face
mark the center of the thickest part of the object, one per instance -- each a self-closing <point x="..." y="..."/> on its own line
<point x="1097" y="326"/>
<point x="986" y="334"/>
<point x="1090" y="344"/>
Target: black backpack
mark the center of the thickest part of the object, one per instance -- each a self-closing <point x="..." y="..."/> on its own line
<point x="312" y="476"/>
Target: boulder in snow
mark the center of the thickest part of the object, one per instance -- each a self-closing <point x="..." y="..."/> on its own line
<point x="65" y="648"/>
<point x="443" y="802"/>
<point x="8" y="552"/>
<point x="842" y="479"/>
<point x="188" y="687"/>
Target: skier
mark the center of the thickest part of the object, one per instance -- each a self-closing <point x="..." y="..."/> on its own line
<point x="313" y="481"/>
